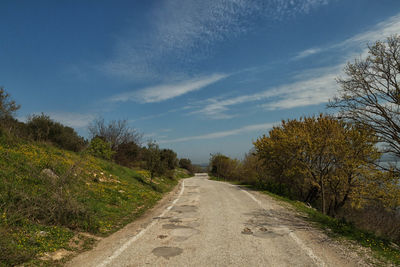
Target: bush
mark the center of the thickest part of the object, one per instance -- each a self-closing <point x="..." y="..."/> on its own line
<point x="186" y="164"/>
<point x="100" y="148"/>
<point x="225" y="168"/>
<point x="43" y="128"/>
<point x="169" y="158"/>
<point x="127" y="154"/>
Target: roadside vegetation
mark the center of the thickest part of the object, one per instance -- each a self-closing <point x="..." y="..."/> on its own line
<point x="330" y="167"/>
<point x="59" y="192"/>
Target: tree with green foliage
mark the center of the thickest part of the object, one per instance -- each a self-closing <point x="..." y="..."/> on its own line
<point x="223" y="167"/>
<point x="252" y="169"/>
<point x="127" y="153"/>
<point x="169" y="158"/>
<point x="320" y="158"/>
<point x="186" y="164"/>
<point x="43" y="128"/>
<point x="153" y="159"/>
<point x="100" y="148"/>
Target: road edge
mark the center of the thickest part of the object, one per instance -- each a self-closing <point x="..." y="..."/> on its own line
<point x="105" y="248"/>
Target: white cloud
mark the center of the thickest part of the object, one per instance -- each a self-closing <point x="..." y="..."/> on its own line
<point x="313" y="91"/>
<point x="183" y="31"/>
<point x="168" y="91"/>
<point x="380" y="32"/>
<point x="244" y="129"/>
<point x="307" y="52"/>
<point x="216" y="107"/>
<point x="353" y="45"/>
<point x="312" y="87"/>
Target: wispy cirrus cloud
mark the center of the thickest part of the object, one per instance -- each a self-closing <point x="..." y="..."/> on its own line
<point x="307" y="52"/>
<point x="311" y="87"/>
<point x="358" y="42"/>
<point x="312" y="91"/>
<point x="167" y="91"/>
<point x="186" y="30"/>
<point x="221" y="134"/>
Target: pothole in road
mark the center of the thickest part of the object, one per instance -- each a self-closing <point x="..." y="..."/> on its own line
<point x="175" y="220"/>
<point x="247" y="231"/>
<point x="182" y="234"/>
<point x="268" y="234"/>
<point x="167" y="252"/>
<point x="183" y="219"/>
<point x="185" y="208"/>
<point x="263" y="232"/>
<point x="194" y="224"/>
<point x="161" y="218"/>
<point x="173" y="226"/>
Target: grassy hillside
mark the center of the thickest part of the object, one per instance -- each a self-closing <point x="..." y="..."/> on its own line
<point x="48" y="196"/>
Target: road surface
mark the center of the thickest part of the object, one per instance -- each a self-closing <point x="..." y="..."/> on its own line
<point x="210" y="223"/>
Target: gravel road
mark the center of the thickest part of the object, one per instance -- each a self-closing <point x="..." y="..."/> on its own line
<point x="210" y="223"/>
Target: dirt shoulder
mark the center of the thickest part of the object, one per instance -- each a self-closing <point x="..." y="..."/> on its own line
<point x="321" y="240"/>
<point x="107" y="245"/>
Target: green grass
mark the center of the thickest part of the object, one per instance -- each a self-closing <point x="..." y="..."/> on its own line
<point x="214" y="178"/>
<point x="40" y="213"/>
<point x="182" y="173"/>
<point x="383" y="249"/>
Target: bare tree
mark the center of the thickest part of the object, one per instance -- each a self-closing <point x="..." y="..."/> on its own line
<point x="116" y="132"/>
<point x="7" y="106"/>
<point x="370" y="92"/>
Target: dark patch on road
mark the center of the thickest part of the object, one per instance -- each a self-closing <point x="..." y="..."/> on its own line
<point x="162" y="236"/>
<point x="247" y="231"/>
<point x="173" y="226"/>
<point x="176" y="220"/>
<point x="185" y="208"/>
<point x="161" y="218"/>
<point x="267" y="234"/>
<point x="191" y="193"/>
<point x="167" y="252"/>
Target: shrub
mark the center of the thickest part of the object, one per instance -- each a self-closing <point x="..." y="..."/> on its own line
<point x="100" y="148"/>
<point x="169" y="158"/>
<point x="186" y="164"/>
<point x="223" y="167"/>
<point x="43" y="128"/>
<point x="127" y="153"/>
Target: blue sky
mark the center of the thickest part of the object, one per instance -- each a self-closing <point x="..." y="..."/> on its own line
<point x="199" y="77"/>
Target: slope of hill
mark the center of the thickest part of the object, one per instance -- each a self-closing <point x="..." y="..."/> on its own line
<point x="49" y="196"/>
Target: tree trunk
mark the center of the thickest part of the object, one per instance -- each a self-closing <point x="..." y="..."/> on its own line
<point x="323" y="196"/>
